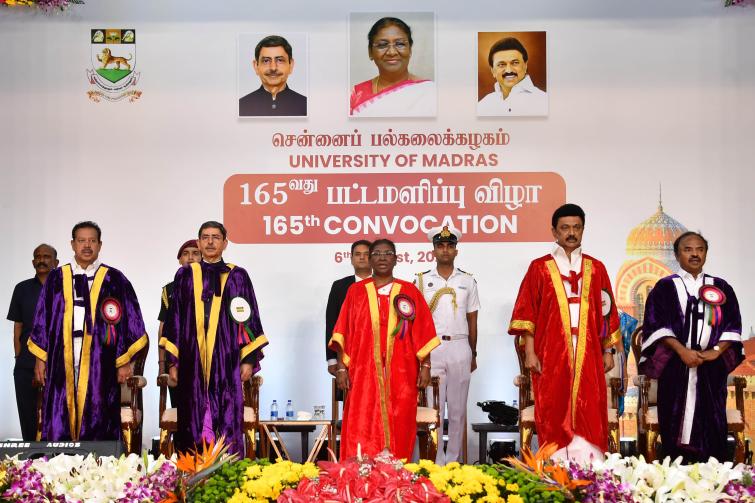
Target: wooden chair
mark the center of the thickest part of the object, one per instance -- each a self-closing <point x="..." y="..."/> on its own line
<point x="527" y="404"/>
<point x="428" y="419"/>
<point x="132" y="405"/>
<point x="169" y="416"/>
<point x="648" y="429"/>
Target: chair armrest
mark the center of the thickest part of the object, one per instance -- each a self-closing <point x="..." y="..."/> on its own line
<point x="165" y="380"/>
<point x="615" y="384"/>
<point x="135" y="382"/>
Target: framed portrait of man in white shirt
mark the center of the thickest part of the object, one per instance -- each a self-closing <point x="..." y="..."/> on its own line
<point x="512" y="74"/>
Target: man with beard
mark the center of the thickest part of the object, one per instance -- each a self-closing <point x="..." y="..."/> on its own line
<point x="692" y="340"/>
<point x="21" y="312"/>
<point x="514" y="92"/>
<point x="87" y="328"/>
<point x="452" y="297"/>
<point x="188" y="253"/>
<point x="567" y="318"/>
<point x="383" y="338"/>
<point x="213" y="339"/>
<point x="360" y="261"/>
<point x="273" y="63"/>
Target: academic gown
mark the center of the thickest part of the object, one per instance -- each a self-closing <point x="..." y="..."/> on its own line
<point x="92" y="410"/>
<point x="381" y="406"/>
<point x="570" y="393"/>
<point x="691" y="401"/>
<point x="208" y="346"/>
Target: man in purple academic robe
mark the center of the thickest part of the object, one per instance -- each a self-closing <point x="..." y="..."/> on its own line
<point x="691" y="342"/>
<point x="213" y="339"/>
<point x="87" y="328"/>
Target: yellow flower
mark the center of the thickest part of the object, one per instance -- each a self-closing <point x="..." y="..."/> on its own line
<point x="514" y="498"/>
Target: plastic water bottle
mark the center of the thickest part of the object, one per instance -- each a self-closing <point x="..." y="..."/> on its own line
<point x="289" y="411"/>
<point x="515" y="404"/>
<point x="274" y="411"/>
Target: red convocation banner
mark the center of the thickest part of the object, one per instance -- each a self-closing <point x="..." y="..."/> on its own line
<point x="341" y="208"/>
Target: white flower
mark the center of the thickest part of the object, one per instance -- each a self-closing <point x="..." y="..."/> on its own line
<point x="95" y="480"/>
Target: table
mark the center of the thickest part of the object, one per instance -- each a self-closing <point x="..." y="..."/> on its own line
<point x="483" y="429"/>
<point x="268" y="428"/>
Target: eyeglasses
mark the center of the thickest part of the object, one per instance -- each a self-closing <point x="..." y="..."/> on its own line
<point x="399" y="45"/>
<point x="211" y="237"/>
<point x="386" y="254"/>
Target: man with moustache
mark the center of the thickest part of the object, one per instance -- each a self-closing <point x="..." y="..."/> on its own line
<point x="188" y="253"/>
<point x="360" y="261"/>
<point x="23" y="304"/>
<point x="692" y="340"/>
<point x="452" y="297"/>
<point x="514" y="93"/>
<point x="213" y="340"/>
<point x="273" y="64"/>
<point x="383" y="338"/>
<point x="567" y="318"/>
<point x="87" y="328"/>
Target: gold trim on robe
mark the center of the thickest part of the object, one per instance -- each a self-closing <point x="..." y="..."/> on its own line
<point x="523" y="325"/>
<point x="258" y="342"/>
<point x="206" y="338"/>
<point x="67" y="274"/>
<point x="132" y="350"/>
<point x="168" y="346"/>
<point x="378" y="359"/>
<point x="584" y="310"/>
<point x="563" y="305"/>
<point x="339" y="339"/>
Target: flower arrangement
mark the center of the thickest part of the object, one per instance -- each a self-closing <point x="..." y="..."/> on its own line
<point x="365" y="479"/>
<point x="210" y="475"/>
<point x="43" y="4"/>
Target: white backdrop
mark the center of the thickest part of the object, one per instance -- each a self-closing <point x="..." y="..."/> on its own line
<point x="641" y="93"/>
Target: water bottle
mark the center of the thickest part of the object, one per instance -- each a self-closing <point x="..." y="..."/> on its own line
<point x="289" y="411"/>
<point x="515" y="404"/>
<point x="274" y="411"/>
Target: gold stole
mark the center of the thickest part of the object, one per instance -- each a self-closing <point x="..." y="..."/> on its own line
<point x="584" y="307"/>
<point x="206" y="338"/>
<point x="383" y="371"/>
<point x="75" y="403"/>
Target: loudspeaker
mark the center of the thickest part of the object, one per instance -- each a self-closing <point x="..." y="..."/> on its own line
<point x="33" y="450"/>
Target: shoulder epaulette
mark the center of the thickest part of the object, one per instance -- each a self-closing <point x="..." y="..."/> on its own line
<point x="465" y="272"/>
<point x="166" y="302"/>
<point x="423" y="272"/>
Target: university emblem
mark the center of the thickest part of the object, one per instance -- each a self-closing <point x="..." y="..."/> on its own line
<point x="113" y="73"/>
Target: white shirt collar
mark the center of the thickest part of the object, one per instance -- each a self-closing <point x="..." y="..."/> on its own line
<point x="523" y="86"/>
<point x="89" y="271"/>
<point x="691" y="283"/>
<point x="688" y="276"/>
<point x="564" y="263"/>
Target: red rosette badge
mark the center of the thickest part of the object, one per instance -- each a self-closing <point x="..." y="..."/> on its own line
<point x="112" y="312"/>
<point x="715" y="298"/>
<point x="406" y="310"/>
<point x="712" y="295"/>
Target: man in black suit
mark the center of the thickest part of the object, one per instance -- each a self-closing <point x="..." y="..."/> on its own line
<point x="360" y="260"/>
